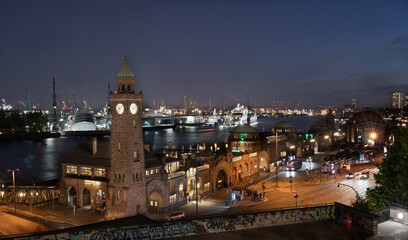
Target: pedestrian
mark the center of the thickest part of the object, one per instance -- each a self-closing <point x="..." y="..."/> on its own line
<point x="199" y="198"/>
<point x="260" y="195"/>
<point x="188" y="198"/>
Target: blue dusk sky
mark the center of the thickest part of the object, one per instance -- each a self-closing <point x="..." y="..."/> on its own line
<point x="303" y="52"/>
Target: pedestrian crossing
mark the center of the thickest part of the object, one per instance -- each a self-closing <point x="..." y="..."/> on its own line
<point x="371" y="170"/>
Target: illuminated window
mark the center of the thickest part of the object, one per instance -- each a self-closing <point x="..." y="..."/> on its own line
<point x="157" y="170"/>
<point x="72" y="170"/>
<point x="147" y="172"/>
<point x="86" y="171"/>
<point x="181" y="188"/>
<point x="151" y="171"/>
<point x="100" y="172"/>
<point x="173" y="199"/>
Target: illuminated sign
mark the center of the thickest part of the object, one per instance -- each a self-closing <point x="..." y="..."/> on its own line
<point x="309" y="136"/>
<point x="253" y="154"/>
<point x="90" y="182"/>
<point x="236" y="159"/>
<point x="243" y="136"/>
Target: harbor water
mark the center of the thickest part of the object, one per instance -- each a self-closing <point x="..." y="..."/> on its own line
<point x="40" y="160"/>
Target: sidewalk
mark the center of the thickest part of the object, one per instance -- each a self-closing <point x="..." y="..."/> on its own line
<point x="57" y="218"/>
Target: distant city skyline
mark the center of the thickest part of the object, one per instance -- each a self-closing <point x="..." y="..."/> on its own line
<point x="302" y="52"/>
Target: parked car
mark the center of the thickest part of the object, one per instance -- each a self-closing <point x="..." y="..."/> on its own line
<point x="175" y="216"/>
<point x="365" y="175"/>
<point x="350" y="175"/>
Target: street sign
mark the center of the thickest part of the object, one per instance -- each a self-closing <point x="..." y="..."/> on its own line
<point x="290" y="181"/>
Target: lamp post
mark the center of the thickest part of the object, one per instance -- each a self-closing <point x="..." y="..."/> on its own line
<point x="277" y="158"/>
<point x="14" y="186"/>
<point x="196" y="189"/>
<point x="338" y="185"/>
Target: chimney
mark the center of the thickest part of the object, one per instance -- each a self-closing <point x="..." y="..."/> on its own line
<point x="94" y="146"/>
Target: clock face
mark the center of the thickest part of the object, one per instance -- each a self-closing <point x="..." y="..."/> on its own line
<point x="120" y="108"/>
<point x="133" y="108"/>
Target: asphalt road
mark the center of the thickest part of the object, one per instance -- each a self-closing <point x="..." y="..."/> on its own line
<point x="11" y="225"/>
<point x="311" y="189"/>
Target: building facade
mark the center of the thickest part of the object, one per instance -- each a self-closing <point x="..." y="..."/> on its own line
<point x="396" y="99"/>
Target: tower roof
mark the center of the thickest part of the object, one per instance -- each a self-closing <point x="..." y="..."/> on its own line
<point x="283" y="124"/>
<point x="244" y="128"/>
<point x="125" y="70"/>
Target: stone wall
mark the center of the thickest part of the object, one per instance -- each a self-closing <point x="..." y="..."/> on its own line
<point x="198" y="226"/>
<point x="364" y="222"/>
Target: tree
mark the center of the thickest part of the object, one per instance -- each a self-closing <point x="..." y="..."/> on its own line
<point x="392" y="178"/>
<point x="36" y="121"/>
<point x="362" y="204"/>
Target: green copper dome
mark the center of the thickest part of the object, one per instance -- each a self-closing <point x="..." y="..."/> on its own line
<point x="125" y="71"/>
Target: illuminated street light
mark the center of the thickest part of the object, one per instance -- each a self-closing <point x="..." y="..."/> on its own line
<point x="326" y="137"/>
<point x="373" y="135"/>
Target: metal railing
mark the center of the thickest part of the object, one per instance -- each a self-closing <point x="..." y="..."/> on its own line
<point x="382" y="214"/>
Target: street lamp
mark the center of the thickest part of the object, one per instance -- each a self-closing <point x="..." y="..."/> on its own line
<point x="14" y="186"/>
<point x="277" y="158"/>
<point x="373" y="135"/>
<point x="342" y="184"/>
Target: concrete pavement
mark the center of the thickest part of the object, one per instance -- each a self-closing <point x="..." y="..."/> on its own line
<point x="391" y="230"/>
<point x="13" y="225"/>
<point x="54" y="218"/>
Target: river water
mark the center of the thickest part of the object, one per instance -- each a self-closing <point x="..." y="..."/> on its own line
<point x="39" y="161"/>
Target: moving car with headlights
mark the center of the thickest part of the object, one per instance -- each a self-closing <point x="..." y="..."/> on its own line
<point x="350" y="175"/>
<point x="365" y="175"/>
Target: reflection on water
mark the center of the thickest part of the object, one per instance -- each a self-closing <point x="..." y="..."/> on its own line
<point x="40" y="160"/>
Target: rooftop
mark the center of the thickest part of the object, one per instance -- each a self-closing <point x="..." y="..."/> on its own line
<point x="125" y="71"/>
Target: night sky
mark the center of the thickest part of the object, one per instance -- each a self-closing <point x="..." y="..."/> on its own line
<point x="309" y="51"/>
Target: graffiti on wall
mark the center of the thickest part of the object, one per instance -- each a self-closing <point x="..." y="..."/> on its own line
<point x="210" y="225"/>
<point x="324" y="213"/>
<point x="238" y="222"/>
<point x="176" y="229"/>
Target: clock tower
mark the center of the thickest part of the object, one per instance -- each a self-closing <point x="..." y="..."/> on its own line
<point x="126" y="195"/>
